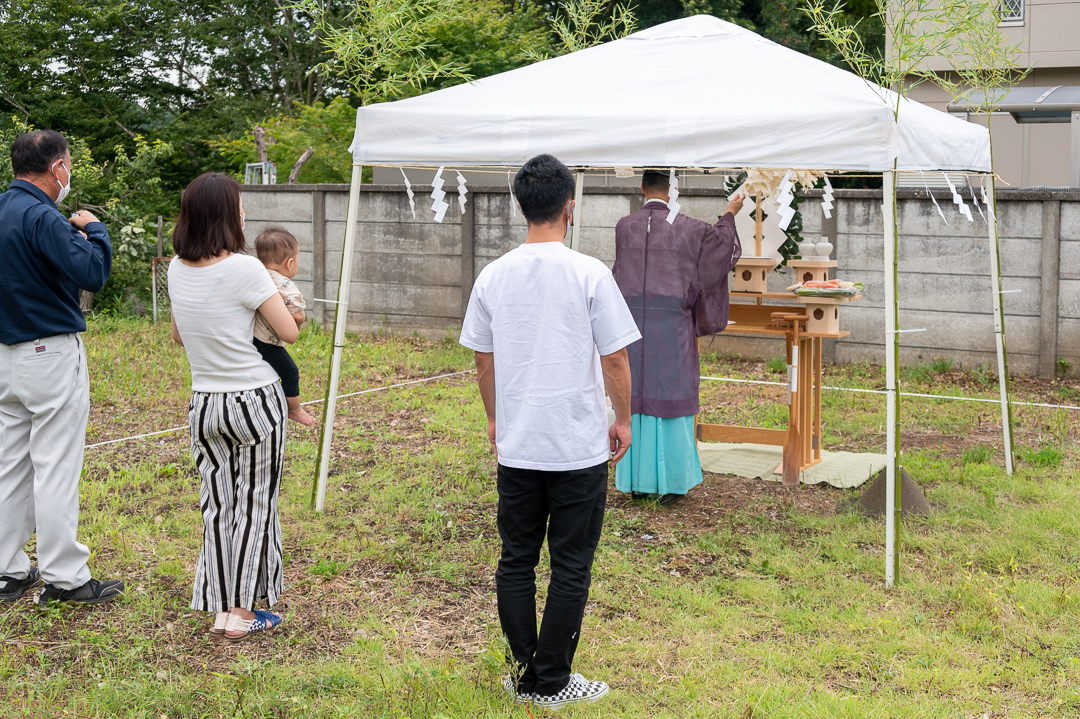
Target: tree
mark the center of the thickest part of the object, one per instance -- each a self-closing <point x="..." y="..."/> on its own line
<point x="325" y="127"/>
<point x="381" y="49"/>
<point x="581" y="24"/>
<point x="487" y="37"/>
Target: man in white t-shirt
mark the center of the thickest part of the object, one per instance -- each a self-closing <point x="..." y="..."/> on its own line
<point x="549" y="327"/>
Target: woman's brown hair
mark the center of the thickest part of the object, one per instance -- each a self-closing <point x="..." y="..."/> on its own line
<point x="209" y="221"/>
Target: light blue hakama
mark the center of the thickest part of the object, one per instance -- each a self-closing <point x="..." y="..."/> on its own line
<point x="662" y="458"/>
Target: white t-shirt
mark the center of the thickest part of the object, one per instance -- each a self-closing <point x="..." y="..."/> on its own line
<point x="548" y="314"/>
<point x="214" y="308"/>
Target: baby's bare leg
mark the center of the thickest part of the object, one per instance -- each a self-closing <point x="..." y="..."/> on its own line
<point x="298" y="413"/>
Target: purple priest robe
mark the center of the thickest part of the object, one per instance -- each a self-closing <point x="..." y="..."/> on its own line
<point x="675" y="281"/>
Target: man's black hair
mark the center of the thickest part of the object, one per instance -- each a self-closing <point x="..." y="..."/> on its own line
<point x="33" y="152"/>
<point x="655" y="181"/>
<point x="543" y="186"/>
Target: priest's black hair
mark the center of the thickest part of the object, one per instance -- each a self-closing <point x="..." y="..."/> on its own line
<point x="543" y="186"/>
<point x="655" y="180"/>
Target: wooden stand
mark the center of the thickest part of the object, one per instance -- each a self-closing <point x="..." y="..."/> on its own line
<point x="812" y="270"/>
<point x="793" y="323"/>
<point x="751" y="274"/>
<point x="823" y="313"/>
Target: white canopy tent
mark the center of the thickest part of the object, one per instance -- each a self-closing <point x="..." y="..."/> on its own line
<point x="696" y="93"/>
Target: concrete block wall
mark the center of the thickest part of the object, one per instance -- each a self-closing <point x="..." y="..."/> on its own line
<point x="412" y="274"/>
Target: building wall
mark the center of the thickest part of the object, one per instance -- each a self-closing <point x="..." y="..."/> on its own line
<point x="1028" y="155"/>
<point x="412" y="274"/>
<point x="1035" y="155"/>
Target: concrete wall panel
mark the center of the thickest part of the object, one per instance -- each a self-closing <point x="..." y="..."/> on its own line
<point x="944" y="331"/>
<point x="952" y="294"/>
<point x="407" y="269"/>
<point x="279" y="206"/>
<point x="1069" y="342"/>
<point x="1069" y="299"/>
<point x="1069" y="267"/>
<point x="408" y="238"/>
<point x="1070" y="221"/>
<point x="406" y="300"/>
<point x="947" y="255"/>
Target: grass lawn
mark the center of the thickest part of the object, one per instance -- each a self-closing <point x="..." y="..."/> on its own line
<point x="745" y="600"/>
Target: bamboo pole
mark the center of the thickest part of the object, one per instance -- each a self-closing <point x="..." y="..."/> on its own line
<point x="326" y="438"/>
<point x="892" y="359"/>
<point x="999" y="327"/>
<point x="757" y="226"/>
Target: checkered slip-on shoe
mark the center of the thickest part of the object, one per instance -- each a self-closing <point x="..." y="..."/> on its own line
<point x="579" y="691"/>
<point x="220" y="620"/>
<point x="519" y="697"/>
<point x="263" y="621"/>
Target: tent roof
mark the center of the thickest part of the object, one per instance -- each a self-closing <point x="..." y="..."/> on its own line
<point x="695" y="93"/>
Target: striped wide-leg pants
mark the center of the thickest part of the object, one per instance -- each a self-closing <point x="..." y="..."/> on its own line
<point x="238" y="439"/>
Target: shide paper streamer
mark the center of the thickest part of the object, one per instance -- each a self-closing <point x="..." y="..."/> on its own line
<point x="461" y="190"/>
<point x="827" y="199"/>
<point x="975" y="202"/>
<point x="784" y="200"/>
<point x="412" y="195"/>
<point x="933" y="199"/>
<point x="673" y="194"/>
<point x="958" y="199"/>
<point x="440" y="205"/>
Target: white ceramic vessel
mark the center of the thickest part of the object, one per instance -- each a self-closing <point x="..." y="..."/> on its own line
<point x="823" y="248"/>
<point x="806" y="250"/>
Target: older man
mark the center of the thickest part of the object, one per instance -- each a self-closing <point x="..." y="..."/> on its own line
<point x="44" y="390"/>
<point x="674" y="278"/>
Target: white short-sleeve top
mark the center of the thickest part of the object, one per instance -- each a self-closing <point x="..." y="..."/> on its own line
<point x="214" y="309"/>
<point x="548" y="313"/>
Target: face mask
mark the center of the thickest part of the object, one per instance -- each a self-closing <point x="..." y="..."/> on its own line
<point x="569" y="224"/>
<point x="64" y="189"/>
<point x="242" y="220"/>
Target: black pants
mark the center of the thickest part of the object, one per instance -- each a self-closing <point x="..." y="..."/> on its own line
<point x="278" y="358"/>
<point x="569" y="508"/>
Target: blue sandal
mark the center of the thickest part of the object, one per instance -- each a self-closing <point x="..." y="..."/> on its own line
<point x="263" y="621"/>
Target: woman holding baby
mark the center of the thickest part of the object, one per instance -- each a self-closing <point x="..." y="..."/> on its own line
<point x="238" y="410"/>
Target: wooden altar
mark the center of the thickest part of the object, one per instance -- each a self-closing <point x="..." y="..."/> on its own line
<point x="801" y="327"/>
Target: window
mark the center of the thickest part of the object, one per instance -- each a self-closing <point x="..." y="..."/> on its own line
<point x="1012" y="12"/>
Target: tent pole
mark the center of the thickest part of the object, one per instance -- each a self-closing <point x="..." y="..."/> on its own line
<point x="579" y="190"/>
<point x="341" y="314"/>
<point x="999" y="327"/>
<point x="892" y="357"/>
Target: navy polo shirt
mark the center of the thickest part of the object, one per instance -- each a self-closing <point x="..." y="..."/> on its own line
<point x="44" y="262"/>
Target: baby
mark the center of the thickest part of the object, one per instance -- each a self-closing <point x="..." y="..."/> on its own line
<point x="279" y="252"/>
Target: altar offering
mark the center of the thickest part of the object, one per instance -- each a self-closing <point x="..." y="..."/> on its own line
<point x="823" y="300"/>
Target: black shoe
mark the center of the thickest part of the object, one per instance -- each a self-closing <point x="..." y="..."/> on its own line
<point x="638" y="496"/>
<point x="93" y="592"/>
<point x="666" y="499"/>
<point x="12" y="589"/>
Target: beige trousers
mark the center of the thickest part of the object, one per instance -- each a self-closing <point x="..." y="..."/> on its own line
<point x="44" y="407"/>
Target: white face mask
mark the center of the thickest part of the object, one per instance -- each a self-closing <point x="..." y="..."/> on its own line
<point x="242" y="220"/>
<point x="64" y="189"/>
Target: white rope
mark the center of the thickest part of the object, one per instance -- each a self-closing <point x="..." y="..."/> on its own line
<point x="314" y="401"/>
<point x="902" y="394"/>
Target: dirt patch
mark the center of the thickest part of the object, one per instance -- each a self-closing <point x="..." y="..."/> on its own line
<point x="721" y="495"/>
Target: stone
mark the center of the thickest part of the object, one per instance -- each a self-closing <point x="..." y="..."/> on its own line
<point x="913" y="503"/>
